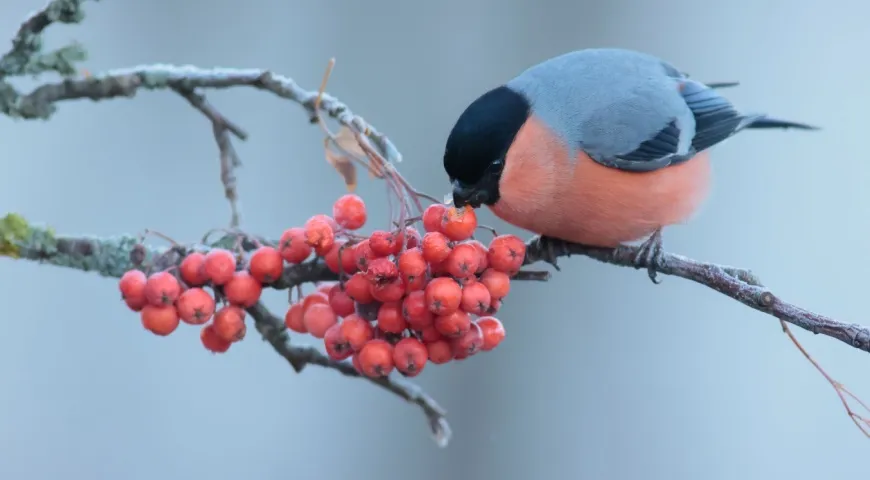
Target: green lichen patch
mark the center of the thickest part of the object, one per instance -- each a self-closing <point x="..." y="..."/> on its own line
<point x="14" y="230"/>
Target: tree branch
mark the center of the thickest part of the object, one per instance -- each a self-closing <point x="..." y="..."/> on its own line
<point x="112" y="256"/>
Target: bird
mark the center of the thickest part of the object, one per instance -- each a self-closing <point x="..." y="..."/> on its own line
<point x="601" y="147"/>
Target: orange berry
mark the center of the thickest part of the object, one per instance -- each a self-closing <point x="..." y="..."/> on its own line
<point x="132" y="286"/>
<point x="340" y="301"/>
<point x="314" y="299"/>
<point x="229" y="323"/>
<point x="336" y="345"/>
<point x="293" y="318"/>
<point x="212" y="341"/>
<point x="416" y="311"/>
<point x="432" y="217"/>
<point x="476" y="298"/>
<point x="506" y="253"/>
<point x="382" y="270"/>
<point x="319" y="234"/>
<point x="266" y="264"/>
<point x="430" y="334"/>
<point x="354" y="360"/>
<point x="195" y="306"/>
<point x="467" y="344"/>
<point x="376" y="358"/>
<point x="443" y="296"/>
<point x="498" y="283"/>
<point x="160" y="319"/>
<point x="462" y="261"/>
<point x="340" y="258"/>
<point x="482" y="253"/>
<point x="385" y="243"/>
<point x="436" y="247"/>
<point x="412" y="237"/>
<point x="243" y="290"/>
<point x="411" y="263"/>
<point x="318" y="318"/>
<point x="356" y="331"/>
<point x="219" y="266"/>
<point x="162" y="288"/>
<point x="349" y="212"/>
<point x="390" y="318"/>
<point x="440" y="351"/>
<point x="493" y="332"/>
<point x="359" y="288"/>
<point x="292" y="245"/>
<point x="459" y="224"/>
<point x="412" y="284"/>
<point x="410" y="356"/>
<point x="454" y="324"/>
<point x="192" y="270"/>
<point x="392" y="291"/>
<point x="362" y="254"/>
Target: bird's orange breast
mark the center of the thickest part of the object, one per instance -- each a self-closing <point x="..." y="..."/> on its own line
<point x="579" y="200"/>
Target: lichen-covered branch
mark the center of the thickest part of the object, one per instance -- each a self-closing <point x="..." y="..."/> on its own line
<point x="112" y="256"/>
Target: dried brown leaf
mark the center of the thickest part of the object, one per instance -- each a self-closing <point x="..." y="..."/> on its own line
<point x="343" y="164"/>
<point x="346" y="139"/>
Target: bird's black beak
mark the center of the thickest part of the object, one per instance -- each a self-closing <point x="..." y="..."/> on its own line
<point x="469" y="195"/>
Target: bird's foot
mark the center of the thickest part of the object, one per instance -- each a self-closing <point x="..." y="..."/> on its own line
<point x="551" y="249"/>
<point x="651" y="254"/>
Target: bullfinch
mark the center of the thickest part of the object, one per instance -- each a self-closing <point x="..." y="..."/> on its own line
<point x="600" y="147"/>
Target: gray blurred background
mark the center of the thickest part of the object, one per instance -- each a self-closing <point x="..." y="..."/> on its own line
<point x="602" y="375"/>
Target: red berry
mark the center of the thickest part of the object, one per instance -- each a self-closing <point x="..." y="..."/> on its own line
<point x="412" y="237"/>
<point x="430" y="334"/>
<point x="506" y="253"/>
<point x="454" y="324"/>
<point x="359" y="288"/>
<point x="318" y="318"/>
<point x="319" y="234"/>
<point x="385" y="243"/>
<point x="416" y="311"/>
<point x="390" y="318"/>
<point x="412" y="284"/>
<point x="212" y="341"/>
<point x="229" y="323"/>
<point x="432" y="217"/>
<point x="482" y="253"/>
<point x="243" y="290"/>
<point x="162" y="288"/>
<point x="132" y="286"/>
<point x="340" y="301"/>
<point x="494" y="307"/>
<point x="340" y="259"/>
<point x="292" y="245"/>
<point x="459" y="224"/>
<point x="462" y="261"/>
<point x="440" y="351"/>
<point x="336" y="345"/>
<point x="266" y="264"/>
<point x="325" y="287"/>
<point x="219" y="266"/>
<point x="376" y="358"/>
<point x="349" y="212"/>
<point x="467" y="344"/>
<point x="498" y="283"/>
<point x="362" y="254"/>
<point x="392" y="291"/>
<point x="443" y="296"/>
<point x="436" y="247"/>
<point x="493" y="332"/>
<point x="314" y="298"/>
<point x="476" y="298"/>
<point x="195" y="306"/>
<point x="411" y="263"/>
<point x="192" y="270"/>
<point x="356" y="331"/>
<point x="293" y="318"/>
<point x="382" y="270"/>
<point x="409" y="356"/>
<point x="356" y="365"/>
<point x="159" y="319"/>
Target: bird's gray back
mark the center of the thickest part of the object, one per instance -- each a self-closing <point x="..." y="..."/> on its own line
<point x="606" y="102"/>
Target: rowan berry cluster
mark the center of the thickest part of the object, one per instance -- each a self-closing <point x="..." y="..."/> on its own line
<point x="403" y="300"/>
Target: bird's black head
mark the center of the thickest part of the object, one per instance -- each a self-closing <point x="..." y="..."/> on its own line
<point x="474" y="156"/>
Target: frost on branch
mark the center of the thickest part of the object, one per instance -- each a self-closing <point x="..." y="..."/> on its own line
<point x="387" y="303"/>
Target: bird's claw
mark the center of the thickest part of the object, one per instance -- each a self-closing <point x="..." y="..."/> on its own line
<point x="651" y="255"/>
<point x="551" y="249"/>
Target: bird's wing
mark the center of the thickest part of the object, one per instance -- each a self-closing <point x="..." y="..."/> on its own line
<point x="716" y="119"/>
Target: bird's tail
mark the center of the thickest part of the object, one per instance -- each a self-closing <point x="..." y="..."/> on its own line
<point x="763" y="122"/>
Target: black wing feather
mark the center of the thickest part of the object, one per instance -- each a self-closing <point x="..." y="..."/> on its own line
<point x="716" y="119"/>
